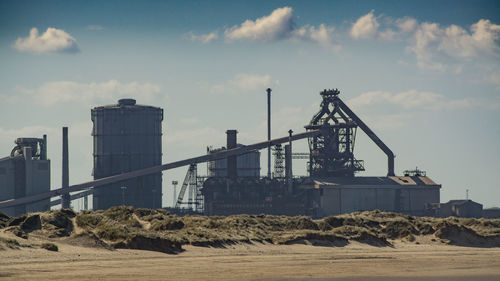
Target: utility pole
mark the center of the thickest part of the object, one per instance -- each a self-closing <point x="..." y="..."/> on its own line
<point x="269" y="132"/>
<point x="289" y="166"/>
<point x="174" y="183"/>
<point x="123" y="188"/>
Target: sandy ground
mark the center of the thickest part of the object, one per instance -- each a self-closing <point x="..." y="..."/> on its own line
<point x="356" y="261"/>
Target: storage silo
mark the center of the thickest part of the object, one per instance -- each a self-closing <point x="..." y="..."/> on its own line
<point x="248" y="164"/>
<point x="127" y="137"/>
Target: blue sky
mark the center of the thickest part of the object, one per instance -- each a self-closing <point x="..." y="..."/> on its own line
<point x="424" y="75"/>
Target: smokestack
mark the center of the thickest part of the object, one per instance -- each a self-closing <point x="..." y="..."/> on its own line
<point x="232" y="169"/>
<point x="65" y="198"/>
<point x="289" y="158"/>
<point x="43" y="153"/>
<point x="269" y="132"/>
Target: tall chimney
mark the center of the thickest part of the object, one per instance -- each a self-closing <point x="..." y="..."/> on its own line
<point x="268" y="132"/>
<point x="232" y="169"/>
<point x="65" y="198"/>
<point x="43" y="153"/>
<point x="289" y="158"/>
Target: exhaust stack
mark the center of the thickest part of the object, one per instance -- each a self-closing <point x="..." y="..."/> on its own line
<point x="65" y="198"/>
<point x="269" y="132"/>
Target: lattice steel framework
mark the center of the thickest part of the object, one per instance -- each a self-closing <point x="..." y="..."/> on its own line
<point x="332" y="152"/>
<point x="279" y="158"/>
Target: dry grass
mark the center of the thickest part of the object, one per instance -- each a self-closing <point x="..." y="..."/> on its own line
<point x="125" y="227"/>
<point x="8" y="243"/>
<point x="50" y="247"/>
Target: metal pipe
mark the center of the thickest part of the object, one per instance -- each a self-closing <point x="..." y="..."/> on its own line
<point x="269" y="132"/>
<point x="83" y="194"/>
<point x="65" y="199"/>
<point x="372" y="136"/>
<point x="156" y="169"/>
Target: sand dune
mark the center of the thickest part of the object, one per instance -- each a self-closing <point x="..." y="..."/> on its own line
<point x="127" y="244"/>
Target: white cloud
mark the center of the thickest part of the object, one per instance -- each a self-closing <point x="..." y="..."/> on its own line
<point x="417" y="100"/>
<point x="368" y="27"/>
<point x="245" y="82"/>
<point x="404" y="106"/>
<point x="387" y="34"/>
<point x="387" y="122"/>
<point x="365" y="27"/>
<point x="436" y="47"/>
<point x="426" y="34"/>
<point x="292" y="117"/>
<point x="483" y="38"/>
<point x="406" y="24"/>
<point x="322" y="35"/>
<point x="58" y="92"/>
<point x="279" y="25"/>
<point x="454" y="41"/>
<point x="203" y="38"/>
<point x="94" y="27"/>
<point x="51" y="41"/>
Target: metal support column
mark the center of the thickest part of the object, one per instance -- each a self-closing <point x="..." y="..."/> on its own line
<point x="290" y="171"/>
<point x="269" y="132"/>
<point x="65" y="198"/>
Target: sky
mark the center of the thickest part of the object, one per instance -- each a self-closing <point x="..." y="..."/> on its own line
<point x="424" y="75"/>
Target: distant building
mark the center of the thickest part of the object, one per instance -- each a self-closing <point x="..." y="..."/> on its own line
<point x="408" y="194"/>
<point x="248" y="164"/>
<point x="25" y="172"/>
<point x="461" y="208"/>
<point x="491" y="213"/>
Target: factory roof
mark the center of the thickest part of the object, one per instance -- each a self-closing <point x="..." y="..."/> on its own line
<point x="461" y="202"/>
<point x="10" y="158"/>
<point x="379" y="181"/>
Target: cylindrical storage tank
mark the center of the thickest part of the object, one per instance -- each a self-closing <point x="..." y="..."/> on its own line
<point x="248" y="165"/>
<point x="127" y="137"/>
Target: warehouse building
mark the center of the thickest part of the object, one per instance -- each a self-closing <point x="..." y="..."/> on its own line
<point x="406" y="194"/>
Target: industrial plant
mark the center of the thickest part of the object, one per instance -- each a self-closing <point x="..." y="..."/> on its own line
<point x="25" y="172"/>
<point x="127" y="153"/>
<point x="331" y="187"/>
